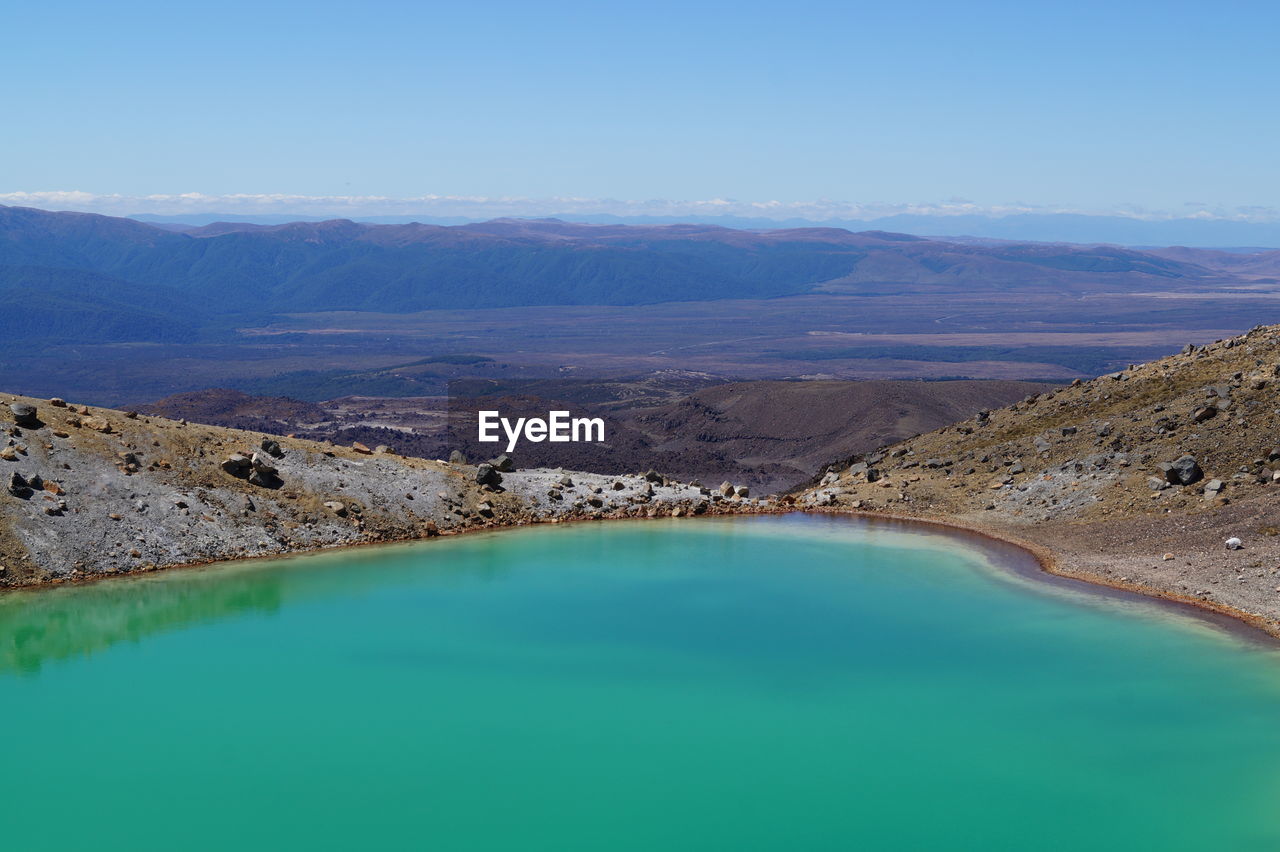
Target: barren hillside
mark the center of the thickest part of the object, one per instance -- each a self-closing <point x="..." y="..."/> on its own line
<point x="1138" y="478"/>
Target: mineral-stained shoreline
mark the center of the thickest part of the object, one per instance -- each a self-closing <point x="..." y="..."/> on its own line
<point x="96" y="492"/>
<point x="1162" y="477"/>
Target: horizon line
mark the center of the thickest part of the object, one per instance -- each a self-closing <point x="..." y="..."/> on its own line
<point x="480" y="208"/>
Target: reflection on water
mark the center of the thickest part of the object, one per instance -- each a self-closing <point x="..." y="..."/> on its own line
<point x="38" y="626"/>
<point x="46" y="625"/>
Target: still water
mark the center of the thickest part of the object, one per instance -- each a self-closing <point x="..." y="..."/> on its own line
<point x="775" y="683"/>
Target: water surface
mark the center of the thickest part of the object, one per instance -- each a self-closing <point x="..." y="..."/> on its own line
<point x="778" y="683"/>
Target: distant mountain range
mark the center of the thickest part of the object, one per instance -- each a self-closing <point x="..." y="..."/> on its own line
<point x="100" y="278"/>
<point x="1038" y="227"/>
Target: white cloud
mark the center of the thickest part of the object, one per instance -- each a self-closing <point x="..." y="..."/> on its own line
<point x="488" y="207"/>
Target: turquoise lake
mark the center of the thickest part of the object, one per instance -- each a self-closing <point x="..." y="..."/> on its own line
<point x="773" y="683"/>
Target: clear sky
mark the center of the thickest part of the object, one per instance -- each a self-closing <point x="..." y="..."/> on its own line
<point x="1090" y="105"/>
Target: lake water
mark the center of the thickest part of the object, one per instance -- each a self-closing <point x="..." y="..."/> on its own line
<point x="774" y="683"/>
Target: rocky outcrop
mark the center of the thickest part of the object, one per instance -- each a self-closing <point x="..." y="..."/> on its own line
<point x="97" y="492"/>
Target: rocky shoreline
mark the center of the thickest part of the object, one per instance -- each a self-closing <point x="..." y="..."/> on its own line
<point x="1163" y="478"/>
<point x="98" y="492"/>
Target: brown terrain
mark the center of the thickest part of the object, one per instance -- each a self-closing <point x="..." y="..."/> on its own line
<point x="747" y="432"/>
<point x="1163" y="477"/>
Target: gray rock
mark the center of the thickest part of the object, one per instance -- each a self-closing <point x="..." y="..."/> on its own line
<point x="487" y="474"/>
<point x="237" y="465"/>
<point x="457" y="457"/>
<point x="263" y="463"/>
<point x="24" y="415"/>
<point x="1203" y="413"/>
<point x="503" y="464"/>
<point x="726" y="488"/>
<point x="744" y="492"/>
<point x="1157" y="483"/>
<point x="1182" y="471"/>
<point x="263" y="479"/>
<point x="18" y="485"/>
<point x="272" y="448"/>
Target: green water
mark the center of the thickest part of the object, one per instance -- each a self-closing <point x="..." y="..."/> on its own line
<point x="790" y="683"/>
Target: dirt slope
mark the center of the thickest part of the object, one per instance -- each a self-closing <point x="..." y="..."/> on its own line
<point x="1136" y="478"/>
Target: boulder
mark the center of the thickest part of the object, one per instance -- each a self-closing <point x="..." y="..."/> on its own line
<point x="487" y="474"/>
<point x="18" y="485"/>
<point x="726" y="488"/>
<point x="1234" y="543"/>
<point x="263" y="463"/>
<point x="744" y="492"/>
<point x="1213" y="488"/>
<point x="1183" y="471"/>
<point x="457" y="457"/>
<point x="24" y="415"/>
<point x="1203" y="413"/>
<point x="653" y="476"/>
<point x="503" y="464"/>
<point x="383" y="450"/>
<point x="262" y="479"/>
<point x="237" y="465"/>
<point x="272" y="448"/>
<point x="337" y="508"/>
<point x="58" y="402"/>
<point x="361" y="448"/>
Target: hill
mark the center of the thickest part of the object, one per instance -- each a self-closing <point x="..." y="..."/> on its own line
<point x="92" y="492"/>
<point x="229" y="271"/>
<point x="747" y="432"/>
<point x="1135" y="479"/>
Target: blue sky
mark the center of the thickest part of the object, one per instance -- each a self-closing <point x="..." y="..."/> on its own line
<point x="1093" y="106"/>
